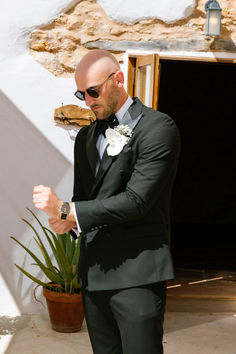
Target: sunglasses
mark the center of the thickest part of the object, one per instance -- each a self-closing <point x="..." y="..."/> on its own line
<point x="91" y="91"/>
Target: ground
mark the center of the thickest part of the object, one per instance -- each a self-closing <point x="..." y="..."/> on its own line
<point x="200" y="319"/>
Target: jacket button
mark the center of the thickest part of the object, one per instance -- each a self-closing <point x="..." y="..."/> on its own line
<point x="108" y="234"/>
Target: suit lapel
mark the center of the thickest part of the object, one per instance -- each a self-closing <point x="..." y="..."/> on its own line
<point x="134" y="114"/>
<point x="131" y="118"/>
<point x="103" y="169"/>
<point x="127" y="120"/>
<point x="91" y="149"/>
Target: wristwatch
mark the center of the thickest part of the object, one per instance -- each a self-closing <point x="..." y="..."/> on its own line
<point x="65" y="209"/>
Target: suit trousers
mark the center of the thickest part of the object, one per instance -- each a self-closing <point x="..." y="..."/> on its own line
<point x="126" y="321"/>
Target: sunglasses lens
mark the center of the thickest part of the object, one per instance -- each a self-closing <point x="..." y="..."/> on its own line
<point x="80" y="95"/>
<point x="92" y="92"/>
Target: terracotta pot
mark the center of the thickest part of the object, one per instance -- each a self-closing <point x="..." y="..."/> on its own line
<point x="65" y="311"/>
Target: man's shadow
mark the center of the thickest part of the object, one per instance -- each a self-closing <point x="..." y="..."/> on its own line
<point x="27" y="159"/>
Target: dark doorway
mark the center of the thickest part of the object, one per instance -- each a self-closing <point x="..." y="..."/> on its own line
<point x="201" y="98"/>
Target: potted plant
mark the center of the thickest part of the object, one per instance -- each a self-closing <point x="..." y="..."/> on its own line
<point x="62" y="292"/>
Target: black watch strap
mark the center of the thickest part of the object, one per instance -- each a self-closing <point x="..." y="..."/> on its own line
<point x="63" y="216"/>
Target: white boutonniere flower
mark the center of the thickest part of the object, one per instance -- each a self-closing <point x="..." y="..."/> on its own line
<point x="117" y="138"/>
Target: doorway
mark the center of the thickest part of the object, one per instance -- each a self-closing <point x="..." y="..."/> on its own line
<point x="200" y="97"/>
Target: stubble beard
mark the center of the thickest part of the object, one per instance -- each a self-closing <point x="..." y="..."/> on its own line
<point x="111" y="104"/>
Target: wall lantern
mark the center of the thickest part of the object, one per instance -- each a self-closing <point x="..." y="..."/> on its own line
<point x="213" y="19"/>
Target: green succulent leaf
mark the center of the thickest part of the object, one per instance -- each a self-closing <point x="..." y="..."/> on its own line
<point x="62" y="240"/>
<point x="51" y="274"/>
<point x="70" y="248"/>
<point x="32" y="277"/>
<point x="53" y="248"/>
<point x="66" y="252"/>
<point x="42" y="248"/>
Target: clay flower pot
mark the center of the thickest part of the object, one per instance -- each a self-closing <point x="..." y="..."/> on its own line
<point x="65" y="310"/>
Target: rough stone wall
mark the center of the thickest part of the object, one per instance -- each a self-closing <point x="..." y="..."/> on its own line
<point x="60" y="45"/>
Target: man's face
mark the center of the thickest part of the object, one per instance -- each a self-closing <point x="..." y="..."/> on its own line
<point x="107" y="101"/>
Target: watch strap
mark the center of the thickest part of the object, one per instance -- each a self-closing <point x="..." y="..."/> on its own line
<point x="65" y="209"/>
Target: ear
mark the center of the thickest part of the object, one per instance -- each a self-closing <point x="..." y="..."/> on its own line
<point x="119" y="77"/>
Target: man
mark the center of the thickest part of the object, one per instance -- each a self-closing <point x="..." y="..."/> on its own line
<point x="121" y="207"/>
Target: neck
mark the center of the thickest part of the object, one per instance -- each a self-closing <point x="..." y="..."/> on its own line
<point x="122" y="100"/>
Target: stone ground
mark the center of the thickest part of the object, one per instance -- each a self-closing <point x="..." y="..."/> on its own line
<point x="198" y="321"/>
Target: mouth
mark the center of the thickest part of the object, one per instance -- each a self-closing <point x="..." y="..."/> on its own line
<point x="95" y="107"/>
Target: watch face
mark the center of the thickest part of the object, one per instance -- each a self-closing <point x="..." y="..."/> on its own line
<point x="65" y="208"/>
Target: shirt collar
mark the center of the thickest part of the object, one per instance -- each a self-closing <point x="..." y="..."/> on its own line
<point x="120" y="114"/>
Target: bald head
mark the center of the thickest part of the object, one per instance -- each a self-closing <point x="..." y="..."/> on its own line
<point x="99" y="71"/>
<point x="96" y="63"/>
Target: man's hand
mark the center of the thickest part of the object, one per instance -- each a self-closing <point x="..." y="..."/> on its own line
<point x="45" y="199"/>
<point x="61" y="226"/>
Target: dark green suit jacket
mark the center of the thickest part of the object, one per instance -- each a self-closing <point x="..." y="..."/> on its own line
<point x="123" y="211"/>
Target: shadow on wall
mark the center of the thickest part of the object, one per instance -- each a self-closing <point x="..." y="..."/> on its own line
<point x="27" y="159"/>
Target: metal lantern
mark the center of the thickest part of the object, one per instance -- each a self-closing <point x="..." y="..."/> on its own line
<point x="213" y="19"/>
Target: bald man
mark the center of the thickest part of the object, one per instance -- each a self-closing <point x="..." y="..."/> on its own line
<point x="120" y="206"/>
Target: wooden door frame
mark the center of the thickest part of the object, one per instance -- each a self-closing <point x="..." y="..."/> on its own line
<point x="132" y="71"/>
<point x="131" y="67"/>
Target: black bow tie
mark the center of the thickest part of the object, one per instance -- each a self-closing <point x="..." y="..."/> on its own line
<point x="103" y="124"/>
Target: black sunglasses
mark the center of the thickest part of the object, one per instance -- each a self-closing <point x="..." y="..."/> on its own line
<point x="91" y="91"/>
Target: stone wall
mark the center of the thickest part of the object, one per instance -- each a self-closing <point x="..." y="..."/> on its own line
<point x="59" y="45"/>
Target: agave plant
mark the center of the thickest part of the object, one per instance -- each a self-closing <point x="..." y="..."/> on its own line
<point x="65" y="251"/>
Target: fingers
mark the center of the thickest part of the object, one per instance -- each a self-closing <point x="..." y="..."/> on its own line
<point x="44" y="198"/>
<point x="55" y="223"/>
<point x="60" y="229"/>
<point x="61" y="226"/>
<point x="39" y="189"/>
<point x="52" y="221"/>
<point x="40" y="194"/>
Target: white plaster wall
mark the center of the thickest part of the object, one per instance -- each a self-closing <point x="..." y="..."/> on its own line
<point x="131" y="11"/>
<point x="32" y="149"/>
<point x="27" y="159"/>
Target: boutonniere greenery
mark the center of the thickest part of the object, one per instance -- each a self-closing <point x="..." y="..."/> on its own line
<point x="117" y="138"/>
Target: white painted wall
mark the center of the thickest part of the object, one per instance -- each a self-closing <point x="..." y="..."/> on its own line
<point x="131" y="11"/>
<point x="33" y="149"/>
